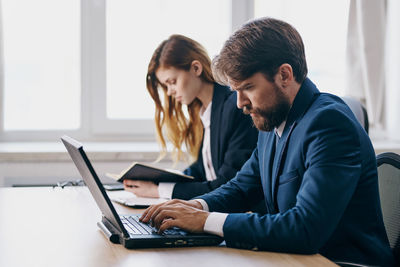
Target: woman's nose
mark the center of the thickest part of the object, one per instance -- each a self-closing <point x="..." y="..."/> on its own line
<point x="170" y="91"/>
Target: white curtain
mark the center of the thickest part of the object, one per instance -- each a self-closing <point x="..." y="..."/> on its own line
<point x="365" y="56"/>
<point x="1" y="71"/>
<point x="393" y="71"/>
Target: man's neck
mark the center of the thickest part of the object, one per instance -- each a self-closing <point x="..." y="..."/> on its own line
<point x="292" y="91"/>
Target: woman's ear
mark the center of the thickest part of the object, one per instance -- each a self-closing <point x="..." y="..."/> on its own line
<point x="196" y="67"/>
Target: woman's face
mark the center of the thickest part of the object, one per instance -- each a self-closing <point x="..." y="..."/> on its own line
<point x="183" y="85"/>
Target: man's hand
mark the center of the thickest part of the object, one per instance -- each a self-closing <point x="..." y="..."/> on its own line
<point x="187" y="215"/>
<point x="141" y="188"/>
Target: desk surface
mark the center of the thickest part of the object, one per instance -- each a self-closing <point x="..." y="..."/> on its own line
<point x="57" y="227"/>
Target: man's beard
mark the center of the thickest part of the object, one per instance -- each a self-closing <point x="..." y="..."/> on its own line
<point x="270" y="118"/>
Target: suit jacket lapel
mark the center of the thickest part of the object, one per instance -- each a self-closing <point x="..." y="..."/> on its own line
<point x="280" y="152"/>
<point x="266" y="172"/>
<point x="219" y="95"/>
<point x="304" y="98"/>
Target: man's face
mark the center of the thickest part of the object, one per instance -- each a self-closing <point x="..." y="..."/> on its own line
<point x="265" y="101"/>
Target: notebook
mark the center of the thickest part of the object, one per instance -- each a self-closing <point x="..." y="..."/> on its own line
<point x="126" y="229"/>
<point x="140" y="171"/>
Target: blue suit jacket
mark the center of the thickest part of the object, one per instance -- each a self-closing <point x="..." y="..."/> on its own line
<point x="319" y="182"/>
<point x="232" y="140"/>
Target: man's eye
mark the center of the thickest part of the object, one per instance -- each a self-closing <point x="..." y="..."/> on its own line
<point x="172" y="81"/>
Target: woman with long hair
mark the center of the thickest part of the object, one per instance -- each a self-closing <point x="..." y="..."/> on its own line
<point x="218" y="137"/>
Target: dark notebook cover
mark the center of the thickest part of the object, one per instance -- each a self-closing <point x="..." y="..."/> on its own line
<point x="139" y="171"/>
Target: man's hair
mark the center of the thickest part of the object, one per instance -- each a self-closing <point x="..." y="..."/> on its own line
<point x="261" y="45"/>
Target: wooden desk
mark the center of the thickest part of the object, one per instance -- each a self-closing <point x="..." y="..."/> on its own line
<point x="57" y="227"/>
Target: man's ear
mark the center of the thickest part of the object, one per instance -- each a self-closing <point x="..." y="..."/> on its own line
<point x="285" y="73"/>
<point x="196" y="67"/>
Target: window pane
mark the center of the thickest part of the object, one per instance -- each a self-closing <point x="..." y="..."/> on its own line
<point x="41" y="64"/>
<point x="323" y="32"/>
<point x="135" y="29"/>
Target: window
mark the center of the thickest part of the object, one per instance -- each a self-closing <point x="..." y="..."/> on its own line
<point x="41" y="64"/>
<point x="324" y="35"/>
<point x="132" y="36"/>
<point x="78" y="66"/>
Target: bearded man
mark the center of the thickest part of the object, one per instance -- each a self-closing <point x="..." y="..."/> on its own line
<point x="314" y="165"/>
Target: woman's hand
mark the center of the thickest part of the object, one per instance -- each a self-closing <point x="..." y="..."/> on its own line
<point x="141" y="188"/>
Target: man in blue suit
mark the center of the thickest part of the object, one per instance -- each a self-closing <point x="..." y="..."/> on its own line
<point x="314" y="165"/>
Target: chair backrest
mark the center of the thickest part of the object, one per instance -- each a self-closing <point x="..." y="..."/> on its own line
<point x="389" y="191"/>
<point x="358" y="110"/>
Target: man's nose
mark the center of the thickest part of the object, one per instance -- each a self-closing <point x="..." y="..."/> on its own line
<point x="242" y="100"/>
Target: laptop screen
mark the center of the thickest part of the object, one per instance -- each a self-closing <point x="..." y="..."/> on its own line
<point x="78" y="155"/>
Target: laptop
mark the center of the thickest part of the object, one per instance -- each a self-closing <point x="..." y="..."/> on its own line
<point x="126" y="229"/>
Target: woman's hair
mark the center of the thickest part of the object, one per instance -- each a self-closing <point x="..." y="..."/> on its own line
<point x="179" y="52"/>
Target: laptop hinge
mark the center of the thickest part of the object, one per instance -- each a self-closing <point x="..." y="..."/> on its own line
<point x="109" y="231"/>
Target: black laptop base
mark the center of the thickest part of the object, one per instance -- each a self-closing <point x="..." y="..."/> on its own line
<point x="156" y="241"/>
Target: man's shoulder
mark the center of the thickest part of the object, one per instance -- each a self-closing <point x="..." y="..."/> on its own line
<point x="329" y="107"/>
<point x="329" y="115"/>
<point x="328" y="101"/>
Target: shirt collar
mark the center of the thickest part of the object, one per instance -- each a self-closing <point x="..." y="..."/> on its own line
<point x="205" y="115"/>
<point x="279" y="130"/>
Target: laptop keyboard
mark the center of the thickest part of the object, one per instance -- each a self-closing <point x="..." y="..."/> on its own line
<point x="135" y="227"/>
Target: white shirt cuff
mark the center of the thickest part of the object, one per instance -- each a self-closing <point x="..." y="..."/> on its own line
<point x="203" y="204"/>
<point x="215" y="223"/>
<point x="165" y="190"/>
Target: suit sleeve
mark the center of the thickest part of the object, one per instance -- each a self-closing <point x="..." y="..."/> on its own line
<point x="239" y="194"/>
<point x="242" y="138"/>
<point x="333" y="168"/>
<point x="196" y="169"/>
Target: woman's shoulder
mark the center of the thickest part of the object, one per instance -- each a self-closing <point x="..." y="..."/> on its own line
<point x="224" y="95"/>
<point x="225" y="105"/>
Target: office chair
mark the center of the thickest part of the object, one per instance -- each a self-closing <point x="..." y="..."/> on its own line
<point x="358" y="110"/>
<point x="389" y="191"/>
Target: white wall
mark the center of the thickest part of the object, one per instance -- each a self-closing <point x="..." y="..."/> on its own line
<point x="49" y="163"/>
<point x="19" y="173"/>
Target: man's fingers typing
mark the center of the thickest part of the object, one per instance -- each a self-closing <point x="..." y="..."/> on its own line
<point x="168" y="223"/>
<point x="149" y="212"/>
<point x="164" y="214"/>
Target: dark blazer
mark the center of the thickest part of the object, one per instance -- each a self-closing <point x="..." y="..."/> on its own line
<point x="319" y="182"/>
<point x="232" y="139"/>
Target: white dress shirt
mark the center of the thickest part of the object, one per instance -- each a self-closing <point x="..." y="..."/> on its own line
<point x="206" y="150"/>
<point x="215" y="221"/>
<point x="165" y="189"/>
